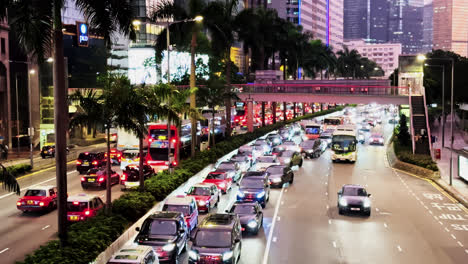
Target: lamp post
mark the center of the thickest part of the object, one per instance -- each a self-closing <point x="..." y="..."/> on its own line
<point x="452" y="61"/>
<point x="443" y="99"/>
<point x="31" y="128"/>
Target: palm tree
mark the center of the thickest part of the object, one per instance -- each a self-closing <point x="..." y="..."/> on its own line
<point x="38" y="25"/>
<point x="9" y="181"/>
<point x="349" y="62"/>
<point x="90" y="113"/>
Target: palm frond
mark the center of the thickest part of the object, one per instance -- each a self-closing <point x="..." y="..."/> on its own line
<point x="9" y="181"/>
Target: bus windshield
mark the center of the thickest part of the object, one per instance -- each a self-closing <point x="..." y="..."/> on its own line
<point x="343" y="143"/>
<point x="332" y="121"/>
<point x="160" y="133"/>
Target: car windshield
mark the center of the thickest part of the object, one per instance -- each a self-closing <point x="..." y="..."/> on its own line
<point x="354" y="192"/>
<point x="213" y="239"/>
<point x="312" y="130"/>
<point x="376" y="136"/>
<point x="216" y="176"/>
<point x="77" y="206"/>
<point x="344" y="143"/>
<point x="35" y="193"/>
<point x="238" y="158"/>
<point x="159" y="153"/>
<point x="251" y="183"/>
<point x="129" y="155"/>
<point x="163" y="227"/>
<point x="266" y="159"/>
<point x="286" y="154"/>
<point x="244" y="209"/>
<point x="277" y="149"/>
<point x="253" y="173"/>
<point x="84" y="156"/>
<point x="332" y="121"/>
<point x="275" y="170"/>
<point x="203" y="191"/>
<point x="157" y="133"/>
<point x="185" y="209"/>
<point x="227" y="166"/>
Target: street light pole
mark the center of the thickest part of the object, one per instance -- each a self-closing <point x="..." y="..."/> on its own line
<point x="451" y="124"/>
<point x="17" y="115"/>
<point x="443" y="100"/>
<point x="31" y="128"/>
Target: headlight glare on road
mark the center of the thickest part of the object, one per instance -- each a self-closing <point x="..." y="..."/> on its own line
<point x="366" y="203"/>
<point x="168" y="247"/>
<point x="343" y="202"/>
<point x="260" y="195"/>
<point x="240" y="194"/>
<point x="193" y="255"/>
<point x="252" y="224"/>
<point x="227" y="255"/>
<point x="202" y="203"/>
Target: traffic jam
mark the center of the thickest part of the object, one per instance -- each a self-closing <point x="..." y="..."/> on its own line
<point x="210" y="220"/>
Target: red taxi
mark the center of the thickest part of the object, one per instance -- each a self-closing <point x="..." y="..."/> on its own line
<point x="207" y="195"/>
<point x="186" y="205"/>
<point x="115" y="156"/>
<point x="221" y="179"/>
<point x="40" y="198"/>
<point x="83" y="206"/>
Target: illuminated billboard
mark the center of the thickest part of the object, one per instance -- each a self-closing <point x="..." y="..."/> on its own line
<point x="463" y="167"/>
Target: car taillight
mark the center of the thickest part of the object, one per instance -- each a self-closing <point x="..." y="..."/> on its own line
<point x="105" y="155"/>
<point x="150" y="140"/>
<point x="95" y="162"/>
<point x="174" y="163"/>
<point x="174" y="140"/>
<point x="118" y="155"/>
<point x="83" y="179"/>
<point x="123" y="177"/>
<point x="76" y="203"/>
<point x="87" y="212"/>
<point x="101" y="179"/>
<point x="41" y="204"/>
<point x="137" y="159"/>
<point x="78" y="162"/>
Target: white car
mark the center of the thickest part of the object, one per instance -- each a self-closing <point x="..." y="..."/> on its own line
<point x="134" y="254"/>
<point x="263" y="162"/>
<point x="243" y="161"/>
<point x="129" y="157"/>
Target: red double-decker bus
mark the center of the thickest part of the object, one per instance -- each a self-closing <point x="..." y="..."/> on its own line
<point x="158" y="143"/>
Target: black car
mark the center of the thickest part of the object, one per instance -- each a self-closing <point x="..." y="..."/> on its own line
<point x="253" y="188"/>
<point x="131" y="175"/>
<point x="218" y="239"/>
<point x="166" y="232"/>
<point x="279" y="175"/>
<point x="98" y="178"/>
<point x="88" y="160"/>
<point x="354" y="198"/>
<point x="250" y="215"/>
<point x="49" y="151"/>
<point x="313" y="148"/>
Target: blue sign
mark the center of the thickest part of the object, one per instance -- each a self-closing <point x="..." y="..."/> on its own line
<point x="82" y="34"/>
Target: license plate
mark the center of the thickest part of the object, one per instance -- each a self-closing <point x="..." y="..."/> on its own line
<point x="73" y="217"/>
<point x="30" y="202"/>
<point x="91" y="180"/>
<point x="132" y="183"/>
<point x="45" y="152"/>
<point x="355" y="209"/>
<point x="85" y="163"/>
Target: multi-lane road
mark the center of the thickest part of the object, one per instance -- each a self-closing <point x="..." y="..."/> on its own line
<point x="412" y="221"/>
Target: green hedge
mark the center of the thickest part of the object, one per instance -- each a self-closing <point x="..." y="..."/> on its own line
<point x="405" y="154"/>
<point x="89" y="238"/>
<point x="18" y="170"/>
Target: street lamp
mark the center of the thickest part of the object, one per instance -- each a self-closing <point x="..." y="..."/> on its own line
<point x="443" y="99"/>
<point x="31" y="128"/>
<point x="452" y="61"/>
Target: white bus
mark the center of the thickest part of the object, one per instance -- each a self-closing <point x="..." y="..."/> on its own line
<point x="344" y="144"/>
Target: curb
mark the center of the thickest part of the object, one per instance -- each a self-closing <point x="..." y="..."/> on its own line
<point x="451" y="192"/>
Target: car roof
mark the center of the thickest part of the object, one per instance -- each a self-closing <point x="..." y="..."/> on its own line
<point x="277" y="166"/>
<point x="254" y="173"/>
<point x="353" y="186"/>
<point x="179" y="200"/>
<point x="218" y="221"/>
<point x="217" y="172"/>
<point x="82" y="197"/>
<point x="131" y="250"/>
<point x="165" y="215"/>
<point x="203" y="184"/>
<point x="252" y="203"/>
<point x="42" y="187"/>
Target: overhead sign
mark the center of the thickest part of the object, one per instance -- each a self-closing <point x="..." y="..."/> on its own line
<point x="82" y="34"/>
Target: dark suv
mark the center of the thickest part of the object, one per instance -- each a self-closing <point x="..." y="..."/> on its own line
<point x="88" y="160"/>
<point x="166" y="232"/>
<point x="254" y="188"/>
<point x="218" y="239"/>
<point x="131" y="175"/>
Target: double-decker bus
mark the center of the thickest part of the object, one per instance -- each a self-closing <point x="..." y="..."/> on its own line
<point x="158" y="143"/>
<point x="312" y="130"/>
<point x="344" y="144"/>
<point x="332" y="122"/>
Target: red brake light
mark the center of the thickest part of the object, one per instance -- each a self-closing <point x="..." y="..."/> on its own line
<point x="78" y="162"/>
<point x="76" y="203"/>
<point x="123" y="177"/>
<point x="101" y="179"/>
<point x="86" y="153"/>
<point x="150" y="140"/>
<point x="95" y="162"/>
<point x="87" y="212"/>
<point x="118" y="155"/>
<point x="173" y="140"/>
<point x="174" y="163"/>
<point x="83" y="179"/>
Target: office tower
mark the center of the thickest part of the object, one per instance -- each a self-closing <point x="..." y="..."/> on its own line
<point x="451" y="26"/>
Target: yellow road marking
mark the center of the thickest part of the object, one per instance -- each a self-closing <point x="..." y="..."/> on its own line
<point x="39" y="171"/>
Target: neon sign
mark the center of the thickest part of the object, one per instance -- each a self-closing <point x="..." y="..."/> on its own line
<point x="82" y="34"/>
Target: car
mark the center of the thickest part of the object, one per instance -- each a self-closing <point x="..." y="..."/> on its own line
<point x="134" y="254"/>
<point x="166" y="232"/>
<point x="279" y="175"/>
<point x="98" y="178"/>
<point x="285" y="133"/>
<point x="262" y="174"/>
<point x="254" y="189"/>
<point x="250" y="215"/>
<point x="83" y="206"/>
<point x="263" y="146"/>
<point x="221" y="179"/>
<point x="313" y="148"/>
<point x="129" y="157"/>
<point x="88" y="160"/>
<point x="361" y="137"/>
<point x="186" y="205"/>
<point x="250" y="152"/>
<point x="218" y="239"/>
<point x="40" y="198"/>
<point x="131" y="175"/>
<point x="264" y="162"/>
<point x="242" y="161"/>
<point x="274" y="139"/>
<point x="290" y="144"/>
<point x="327" y="137"/>
<point x="207" y="195"/>
<point x="379" y="120"/>
<point x="290" y="158"/>
<point x="231" y="168"/>
<point x="392" y="121"/>
<point x="376" y="139"/>
<point x="49" y="151"/>
<point x="278" y="149"/>
<point x="115" y="156"/>
<point x="354" y="198"/>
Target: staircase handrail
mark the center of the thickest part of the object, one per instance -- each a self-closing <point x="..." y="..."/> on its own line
<point x="428" y="127"/>
<point x="411" y="122"/>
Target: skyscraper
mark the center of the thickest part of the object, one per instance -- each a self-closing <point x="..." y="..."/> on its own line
<point x="406" y="24"/>
<point x="451" y="26"/>
<point x="428" y="12"/>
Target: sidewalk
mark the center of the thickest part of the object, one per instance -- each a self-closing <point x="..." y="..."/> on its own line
<point x="459" y="186"/>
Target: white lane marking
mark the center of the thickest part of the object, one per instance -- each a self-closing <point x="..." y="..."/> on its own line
<point x="446" y="229"/>
<point x="45" y="227"/>
<point x="326" y="183"/>
<point x="399" y="248"/>
<point x="286" y="190"/>
<point x="334" y="244"/>
<point x="4" y="250"/>
<point x="329" y="221"/>
<point x="427" y="208"/>
<point x="377" y="209"/>
<point x="102" y="196"/>
<point x="460" y="244"/>
<point x="441" y="223"/>
<point x="70" y="172"/>
<point x="328" y="206"/>
<point x="275" y="239"/>
<point x="453" y="236"/>
<point x="430" y="212"/>
<point x="466" y="251"/>
<point x="326" y="193"/>
<point x="279" y="218"/>
<point x="385" y="224"/>
<point x="282" y="202"/>
<point x="24" y="188"/>
<point x="270" y="235"/>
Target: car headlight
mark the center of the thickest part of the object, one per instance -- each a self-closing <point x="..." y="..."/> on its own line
<point x="381" y="140"/>
<point x="276" y="180"/>
<point x="287" y="160"/>
<point x="310" y="150"/>
<point x="202" y="203"/>
<point x="168" y="247"/>
<point x="227" y="255"/>
<point x="252" y="224"/>
<point x="240" y="194"/>
<point x="343" y="202"/>
<point x="193" y="255"/>
<point x="366" y="203"/>
<point x="222" y="185"/>
<point x="260" y="195"/>
<point x="329" y="140"/>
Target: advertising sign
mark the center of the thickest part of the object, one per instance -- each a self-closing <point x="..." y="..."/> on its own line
<point x="82" y="34"/>
<point x="463" y="167"/>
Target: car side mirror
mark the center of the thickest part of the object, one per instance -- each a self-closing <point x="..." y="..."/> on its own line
<point x="368" y="195"/>
<point x="137" y="229"/>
